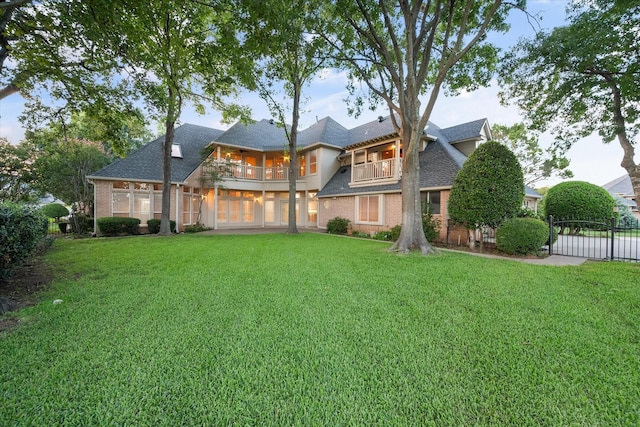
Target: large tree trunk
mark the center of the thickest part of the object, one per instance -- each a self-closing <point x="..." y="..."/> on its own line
<point x="412" y="233"/>
<point x="165" y="224"/>
<point x="628" y="162"/>
<point x="292" y="227"/>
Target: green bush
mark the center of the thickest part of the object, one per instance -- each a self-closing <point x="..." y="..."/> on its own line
<point x="338" y="225"/>
<point x="115" y="226"/>
<point x="195" y="228"/>
<point x="22" y="229"/>
<point x="578" y="200"/>
<point x="522" y="236"/>
<point x="153" y="225"/>
<point x="81" y="224"/>
<point x="54" y="210"/>
<point x="430" y="225"/>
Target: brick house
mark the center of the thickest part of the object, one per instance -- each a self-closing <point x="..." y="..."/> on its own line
<point x="352" y="173"/>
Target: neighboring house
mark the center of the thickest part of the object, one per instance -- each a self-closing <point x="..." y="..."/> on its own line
<point x="622" y="188"/>
<point x="353" y="173"/>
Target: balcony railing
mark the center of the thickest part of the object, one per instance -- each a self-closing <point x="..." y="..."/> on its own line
<point x="373" y="171"/>
<point x="248" y="172"/>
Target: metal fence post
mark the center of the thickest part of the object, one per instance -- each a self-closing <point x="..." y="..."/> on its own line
<point x="550" y="234"/>
<point x="613" y="228"/>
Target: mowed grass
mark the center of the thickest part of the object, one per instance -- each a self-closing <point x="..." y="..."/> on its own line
<point x="320" y="330"/>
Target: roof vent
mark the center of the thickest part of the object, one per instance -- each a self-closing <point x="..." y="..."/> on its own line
<point x="271" y="121"/>
<point x="380" y="119"/>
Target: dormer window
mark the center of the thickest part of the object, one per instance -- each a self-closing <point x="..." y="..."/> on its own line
<point x="176" y="151"/>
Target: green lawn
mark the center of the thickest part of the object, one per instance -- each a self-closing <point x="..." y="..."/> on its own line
<point x="320" y="330"/>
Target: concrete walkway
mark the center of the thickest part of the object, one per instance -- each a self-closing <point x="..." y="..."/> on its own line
<point x="556" y="260"/>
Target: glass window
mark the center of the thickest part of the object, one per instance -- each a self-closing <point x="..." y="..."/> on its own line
<point x="120" y="204"/>
<point x="141" y="206"/>
<point x="269" y="211"/>
<point x="313" y="162"/>
<point x="176" y="151"/>
<point x="433" y="199"/>
<point x="121" y="185"/>
<point x="369" y="209"/>
<point x="222" y="210"/>
<point x="235" y="210"/>
<point x="247" y="211"/>
<point x="303" y="164"/>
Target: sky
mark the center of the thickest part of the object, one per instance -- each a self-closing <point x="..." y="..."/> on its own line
<point x="591" y="159"/>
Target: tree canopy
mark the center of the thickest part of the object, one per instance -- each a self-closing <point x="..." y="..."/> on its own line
<point x="292" y="57"/>
<point x="583" y="77"/>
<point x="404" y="52"/>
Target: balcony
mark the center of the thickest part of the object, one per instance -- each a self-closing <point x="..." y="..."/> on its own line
<point x="381" y="170"/>
<point x="247" y="172"/>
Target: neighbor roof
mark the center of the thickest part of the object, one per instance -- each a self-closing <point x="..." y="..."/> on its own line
<point x="145" y="164"/>
<point x="620" y="186"/>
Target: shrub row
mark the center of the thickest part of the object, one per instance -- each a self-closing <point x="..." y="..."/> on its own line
<point x="153" y="225"/>
<point x="116" y="226"/>
<point x="22" y="229"/>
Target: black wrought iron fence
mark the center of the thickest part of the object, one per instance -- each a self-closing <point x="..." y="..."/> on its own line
<point x="594" y="239"/>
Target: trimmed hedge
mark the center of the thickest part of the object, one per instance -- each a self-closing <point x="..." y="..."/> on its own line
<point x="338" y="225"/>
<point x="116" y="226"/>
<point x="522" y="236"/>
<point x="579" y="200"/>
<point x="22" y="228"/>
<point x="153" y="225"/>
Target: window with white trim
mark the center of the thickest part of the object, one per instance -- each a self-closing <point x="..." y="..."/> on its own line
<point x="369" y="209"/>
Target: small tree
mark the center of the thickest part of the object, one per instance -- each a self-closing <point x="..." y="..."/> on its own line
<point x="578" y="201"/>
<point x="625" y="218"/>
<point x="488" y="189"/>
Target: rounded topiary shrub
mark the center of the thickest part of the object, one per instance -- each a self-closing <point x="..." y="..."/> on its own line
<point x="338" y="225"/>
<point x="579" y="200"/>
<point x="522" y="236"/>
<point x="54" y="210"/>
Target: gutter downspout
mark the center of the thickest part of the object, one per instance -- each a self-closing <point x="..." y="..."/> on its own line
<point x="177" y="208"/>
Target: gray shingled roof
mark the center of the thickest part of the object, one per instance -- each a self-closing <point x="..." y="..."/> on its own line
<point x="620" y="185"/>
<point x="372" y="130"/>
<point x="437" y="169"/>
<point x="145" y="164"/>
<point x="464" y="131"/>
<point x="327" y="131"/>
<point x="256" y="136"/>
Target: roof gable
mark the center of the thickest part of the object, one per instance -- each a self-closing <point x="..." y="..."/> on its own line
<point x="326" y="131"/>
<point x="464" y="131"/>
<point x="620" y="185"/>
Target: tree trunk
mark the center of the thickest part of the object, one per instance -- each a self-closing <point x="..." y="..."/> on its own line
<point x="628" y="162"/>
<point x="412" y="233"/>
<point x="292" y="227"/>
<point x="165" y="224"/>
